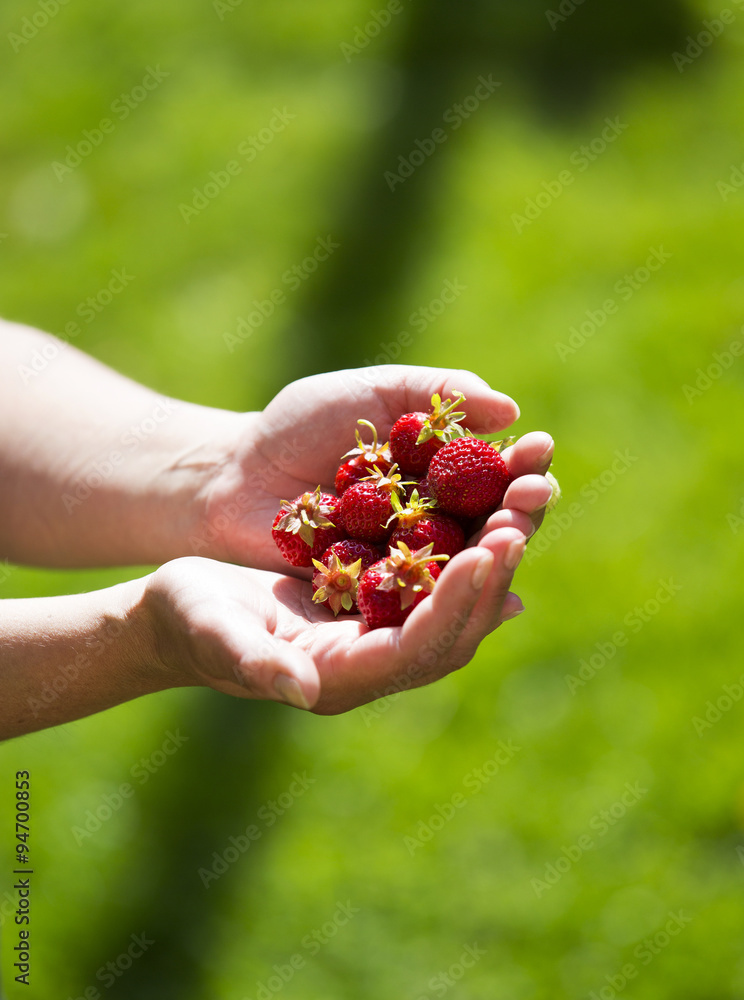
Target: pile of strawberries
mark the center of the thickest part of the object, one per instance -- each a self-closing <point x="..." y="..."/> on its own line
<point x="379" y="545"/>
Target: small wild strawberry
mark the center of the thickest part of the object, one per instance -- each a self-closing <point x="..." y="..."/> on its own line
<point x="390" y="589"/>
<point x="419" y="523"/>
<point x="360" y="461"/>
<point x="306" y="526"/>
<point x="336" y="577"/>
<point x="365" y="507"/>
<point x="416" y="437"/>
<point x="468" y="477"/>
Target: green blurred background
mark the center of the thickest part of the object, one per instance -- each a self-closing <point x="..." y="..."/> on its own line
<point x="476" y="873"/>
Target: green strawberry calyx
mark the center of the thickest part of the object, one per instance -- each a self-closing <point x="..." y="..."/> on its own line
<point x="408" y="572"/>
<point x="390" y="482"/>
<point x="506" y="442"/>
<point x="304" y="516"/>
<point x="412" y="513"/>
<point x="442" y="422"/>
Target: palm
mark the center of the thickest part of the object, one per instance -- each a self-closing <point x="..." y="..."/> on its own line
<point x="345" y="653"/>
<point x="357" y="665"/>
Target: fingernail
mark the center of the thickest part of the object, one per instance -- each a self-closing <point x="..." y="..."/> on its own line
<point x="514" y="553"/>
<point x="514" y="614"/>
<point x="290" y="691"/>
<point x="482" y="569"/>
<point x="546" y="456"/>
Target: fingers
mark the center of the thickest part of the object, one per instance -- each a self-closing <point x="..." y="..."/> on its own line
<point x="404" y="389"/>
<point x="532" y="453"/>
<point x="507" y="548"/>
<point x="527" y="494"/>
<point x="523" y="507"/>
<point x="471" y="598"/>
<point x="270" y="669"/>
<point x="528" y="460"/>
<point x="488" y="411"/>
<point x="505" y="518"/>
<point x="448" y="609"/>
<point x="512" y="607"/>
<point x="467" y="604"/>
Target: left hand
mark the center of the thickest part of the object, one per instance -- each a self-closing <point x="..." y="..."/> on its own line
<point x="254" y="634"/>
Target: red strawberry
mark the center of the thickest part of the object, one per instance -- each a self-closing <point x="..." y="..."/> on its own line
<point x="303" y="528"/>
<point x="365" y="508"/>
<point x="417" y="525"/>
<point x="391" y="589"/>
<point x="362" y="459"/>
<point x="337" y="574"/>
<point x="468" y="477"/>
<point x="416" y="437"/>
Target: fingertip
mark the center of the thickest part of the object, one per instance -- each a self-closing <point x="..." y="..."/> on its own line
<point x="512" y="607"/>
<point x="500" y="539"/>
<point x="532" y="452"/>
<point x="528" y="493"/>
<point x="296" y="681"/>
<point x="290" y="691"/>
<point x="488" y="410"/>
<point x="546" y="455"/>
<point x="509" y="517"/>
<point x="502" y="412"/>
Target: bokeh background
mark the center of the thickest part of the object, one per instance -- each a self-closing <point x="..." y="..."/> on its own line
<point x="368" y="850"/>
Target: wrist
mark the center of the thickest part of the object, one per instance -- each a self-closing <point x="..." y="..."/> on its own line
<point x="162" y="636"/>
<point x="197" y="457"/>
<point x="226" y="491"/>
<point x="141" y="656"/>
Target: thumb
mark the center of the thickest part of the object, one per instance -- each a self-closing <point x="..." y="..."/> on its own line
<point x="272" y="669"/>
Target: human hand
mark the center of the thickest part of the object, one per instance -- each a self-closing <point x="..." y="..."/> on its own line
<point x="296" y="443"/>
<point x="256" y="634"/>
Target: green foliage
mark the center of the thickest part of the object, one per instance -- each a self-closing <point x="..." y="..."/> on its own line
<point x="363" y="833"/>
